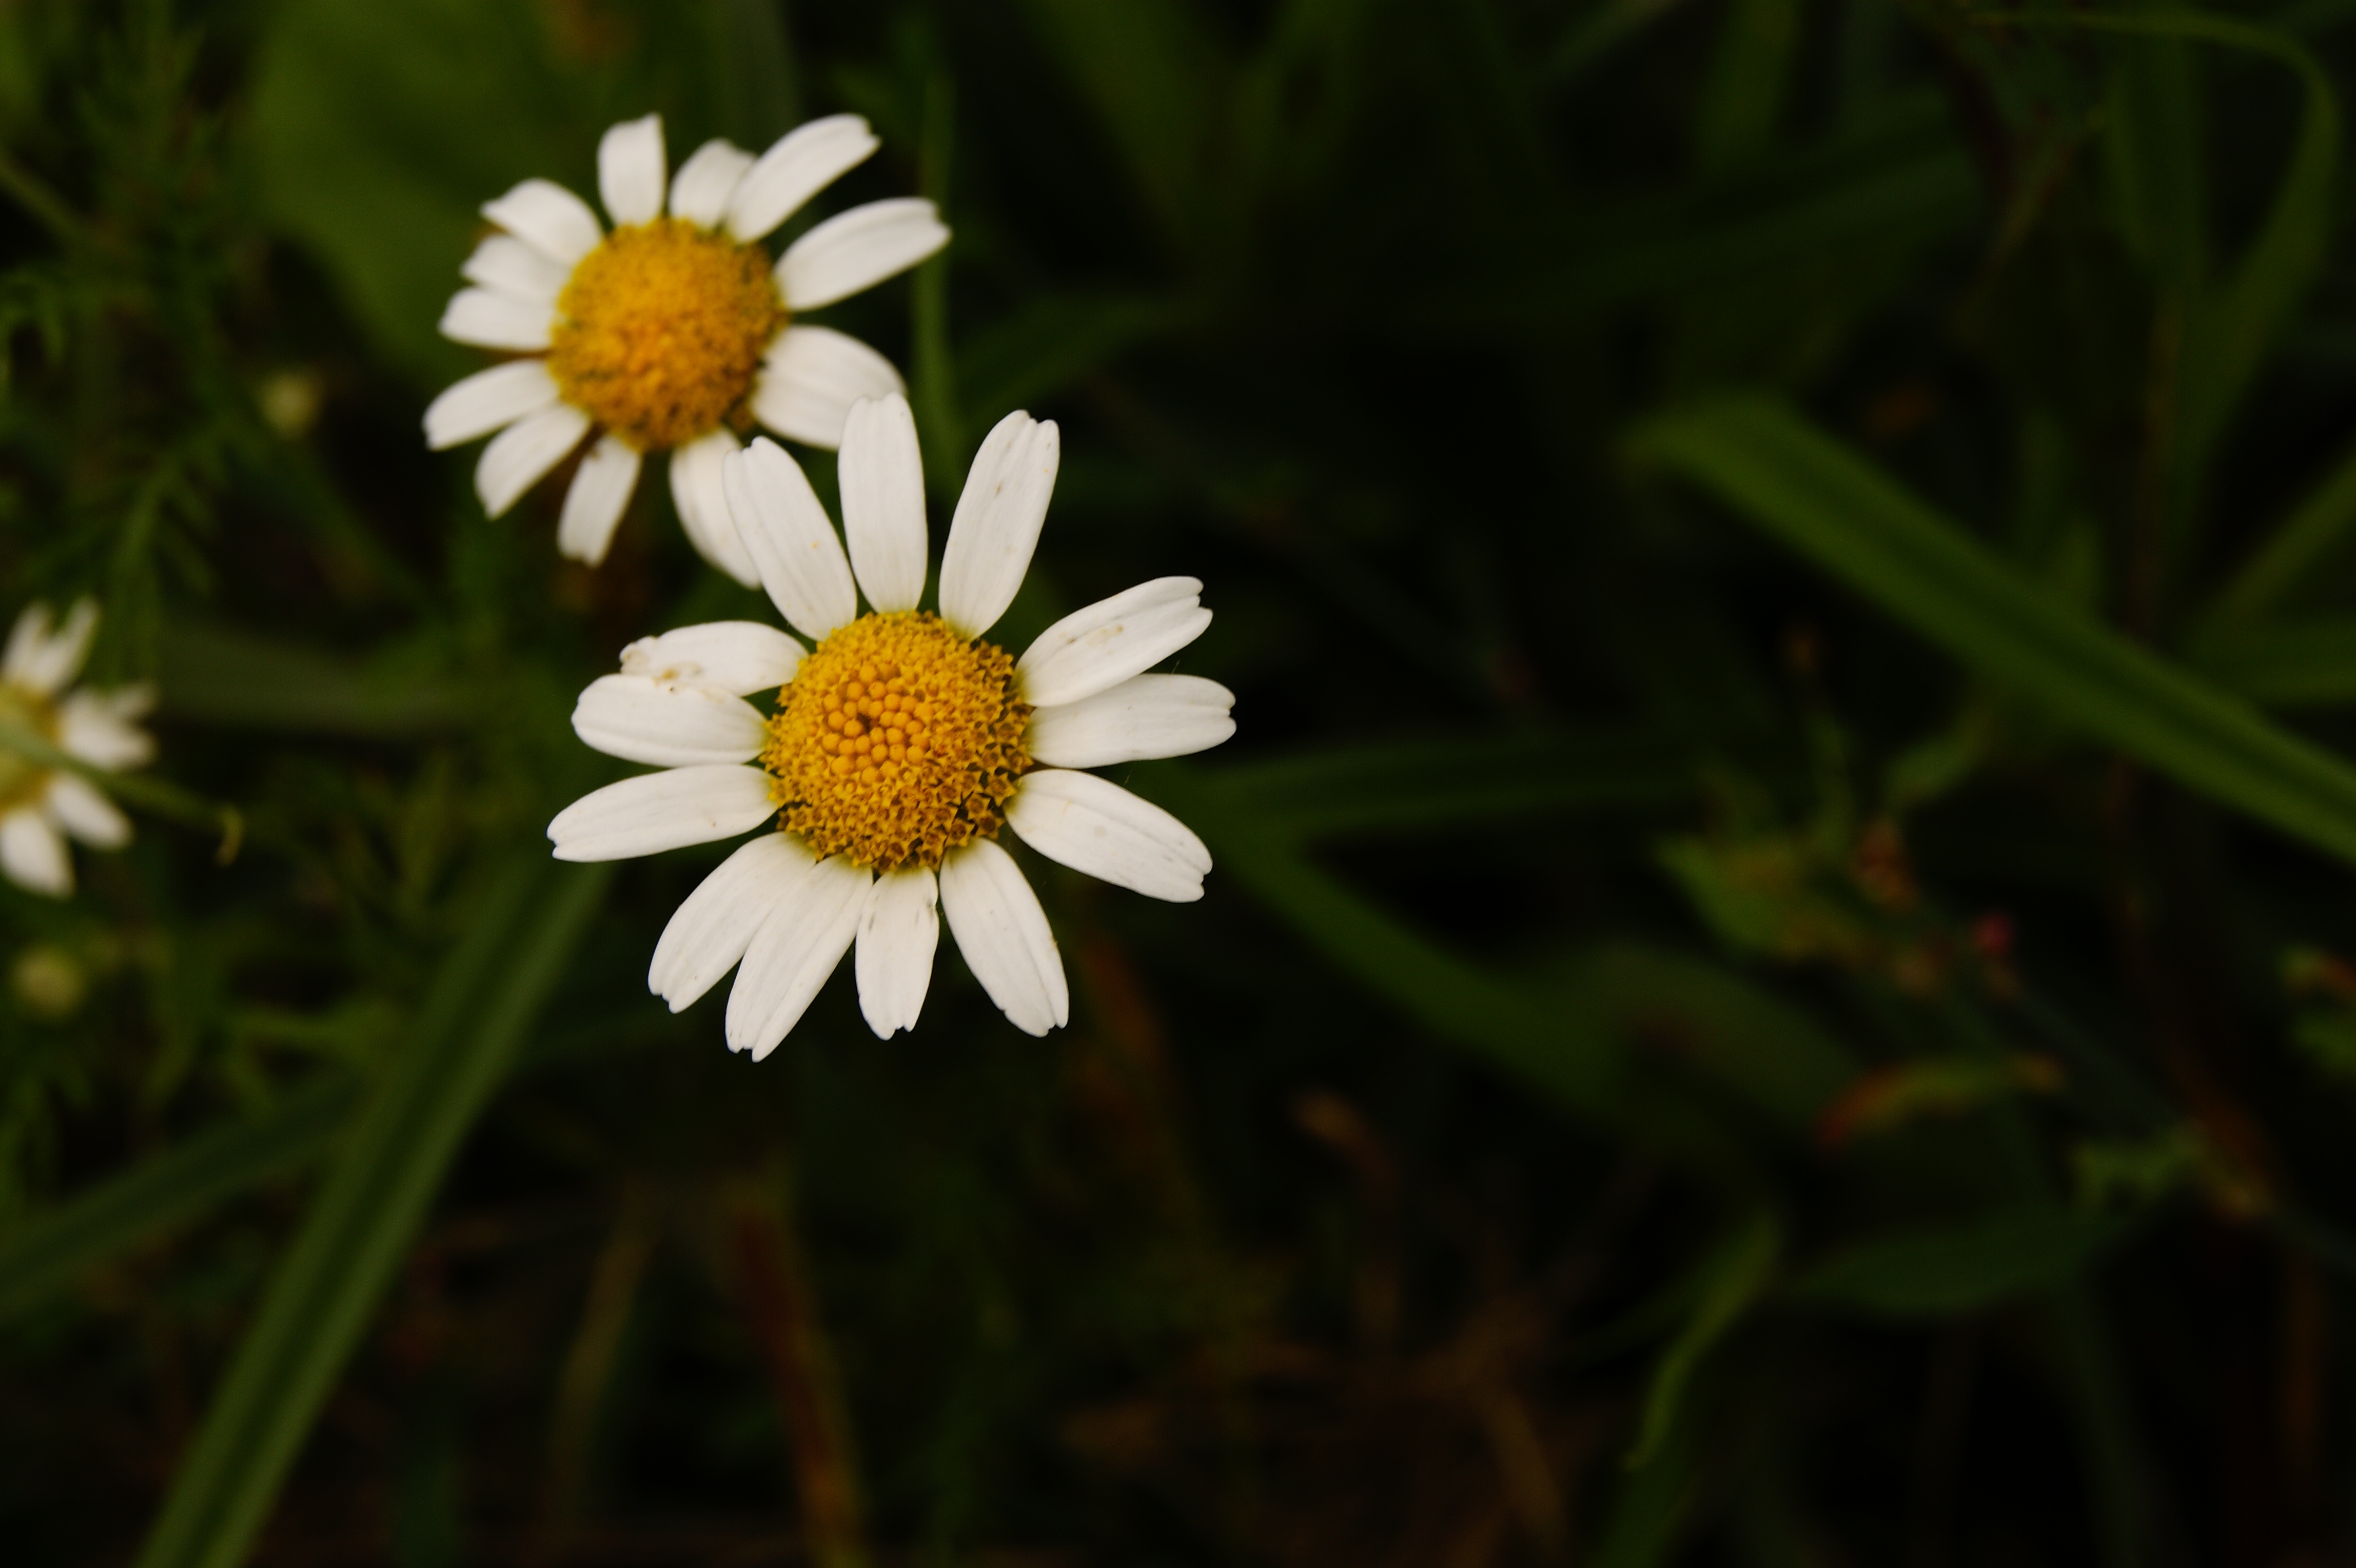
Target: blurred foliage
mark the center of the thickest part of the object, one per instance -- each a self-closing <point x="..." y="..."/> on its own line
<point x="1770" y="995"/>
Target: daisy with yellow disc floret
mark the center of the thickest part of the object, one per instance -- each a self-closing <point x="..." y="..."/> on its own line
<point x="41" y="806"/>
<point x="663" y="332"/>
<point x="898" y="746"/>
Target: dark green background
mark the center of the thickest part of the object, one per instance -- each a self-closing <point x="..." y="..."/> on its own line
<point x="1768" y="996"/>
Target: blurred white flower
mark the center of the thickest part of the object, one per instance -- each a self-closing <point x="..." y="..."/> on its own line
<point x="659" y="334"/>
<point x="899" y="745"/>
<point x="39" y="806"/>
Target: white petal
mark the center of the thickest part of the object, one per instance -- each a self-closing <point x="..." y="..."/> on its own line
<point x="897" y="934"/>
<point x="505" y="265"/>
<point x="793" y="952"/>
<point x="811" y="379"/>
<point x="997" y="522"/>
<point x="711" y="931"/>
<point x="45" y="662"/>
<point x="549" y="219"/>
<point x="1004" y="937"/>
<point x="487" y="400"/>
<point x="857" y="250"/>
<point x="75" y="806"/>
<point x="883" y="479"/>
<point x="699" y="493"/>
<point x="656" y="811"/>
<point x="668" y="723"/>
<point x="1144" y="717"/>
<point x="798" y="165"/>
<point x="600" y="493"/>
<point x="782" y="524"/>
<point x="26" y="640"/>
<point x="96" y="727"/>
<point x="1105" y="644"/>
<point x="738" y="657"/>
<point x="33" y="853"/>
<point x="1094" y="825"/>
<point x="630" y="170"/>
<point x="524" y="451"/>
<point x="489" y="320"/>
<point x="700" y="191"/>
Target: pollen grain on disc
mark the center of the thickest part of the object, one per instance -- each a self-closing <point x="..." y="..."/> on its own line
<point x="896" y="741"/>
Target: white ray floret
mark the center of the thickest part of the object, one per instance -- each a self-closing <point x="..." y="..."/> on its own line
<point x="799" y="381"/>
<point x="42" y="807"/>
<point x="786" y="907"/>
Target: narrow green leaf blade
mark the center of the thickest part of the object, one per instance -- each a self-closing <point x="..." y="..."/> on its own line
<point x="352" y="1237"/>
<point x="47" y="1255"/>
<point x="1962" y="1268"/>
<point x="1821" y="498"/>
<point x="2309" y="662"/>
<point x="1415" y="784"/>
<point x="1734" y="1277"/>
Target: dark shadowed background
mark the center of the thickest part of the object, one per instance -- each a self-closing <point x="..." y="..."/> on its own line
<point x="1779" y="985"/>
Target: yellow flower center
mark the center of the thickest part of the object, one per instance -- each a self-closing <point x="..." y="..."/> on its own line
<point x="896" y="741"/>
<point x="22" y="780"/>
<point x="660" y="330"/>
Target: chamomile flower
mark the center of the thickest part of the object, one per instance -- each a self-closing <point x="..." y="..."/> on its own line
<point x="40" y="806"/>
<point x="660" y="334"/>
<point x="898" y="746"/>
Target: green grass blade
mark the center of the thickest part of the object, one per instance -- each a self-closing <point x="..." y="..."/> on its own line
<point x="46" y="1256"/>
<point x="1160" y="77"/>
<point x="179" y="1186"/>
<point x="1818" y="496"/>
<point x="1743" y="101"/>
<point x="1734" y="1277"/>
<point x="1413" y="785"/>
<point x="1508" y="1022"/>
<point x="2306" y="663"/>
<point x="2236" y="323"/>
<point x="1962" y="1268"/>
<point x="229" y="679"/>
<point x="2297" y="550"/>
<point x="354" y="1233"/>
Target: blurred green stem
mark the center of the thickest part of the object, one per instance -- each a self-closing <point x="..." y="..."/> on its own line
<point x="781" y="1305"/>
<point x="164" y="800"/>
<point x="358" y="1229"/>
<point x="35" y="197"/>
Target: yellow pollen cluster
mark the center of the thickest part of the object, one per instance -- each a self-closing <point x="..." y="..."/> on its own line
<point x="21" y="780"/>
<point x="897" y="741"/>
<point x="660" y="330"/>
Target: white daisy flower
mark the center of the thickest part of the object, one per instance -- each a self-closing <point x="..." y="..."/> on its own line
<point x="898" y="745"/>
<point x="657" y="334"/>
<point x="40" y="806"/>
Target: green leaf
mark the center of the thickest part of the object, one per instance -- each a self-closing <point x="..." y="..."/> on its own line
<point x="1411" y="786"/>
<point x="1713" y="1022"/>
<point x="46" y="1256"/>
<point x="1896" y="182"/>
<point x="1821" y="498"/>
<point x="2235" y="324"/>
<point x="2293" y="554"/>
<point x="1053" y="341"/>
<point x="1734" y="1277"/>
<point x="2302" y="663"/>
<point x="1744" y="97"/>
<point x="233" y="679"/>
<point x="354" y="1233"/>
<point x="1494" y="1016"/>
<point x="1160" y="79"/>
<point x="377" y="130"/>
<point x="1963" y="1268"/>
<point x="2151" y="125"/>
